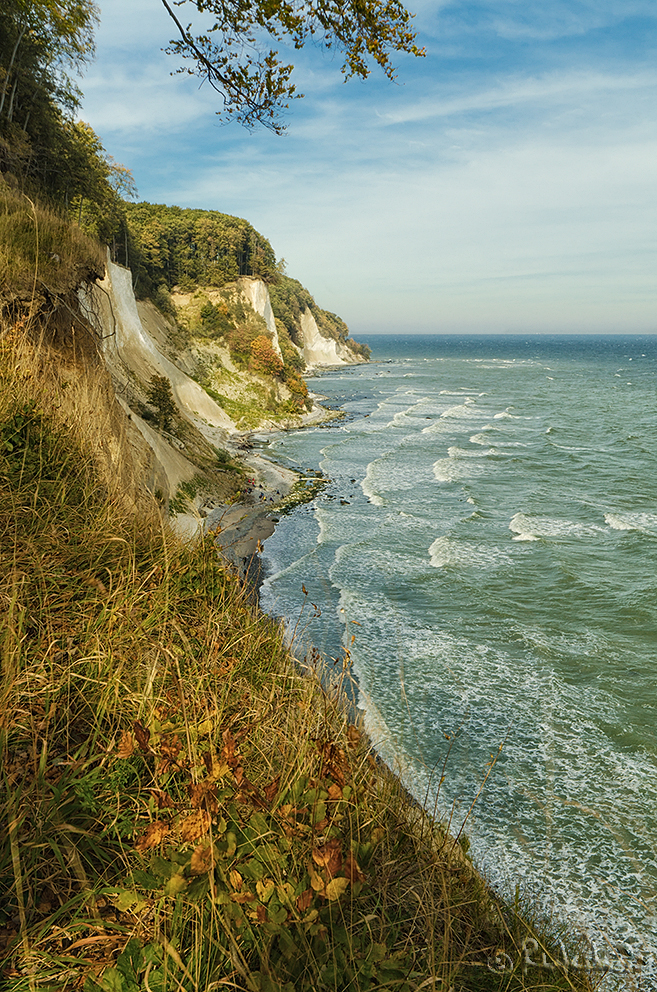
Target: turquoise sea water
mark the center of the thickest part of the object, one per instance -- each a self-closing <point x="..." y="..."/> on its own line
<point x="488" y="539"/>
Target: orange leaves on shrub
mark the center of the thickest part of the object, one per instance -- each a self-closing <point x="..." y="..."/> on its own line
<point x="264" y="358"/>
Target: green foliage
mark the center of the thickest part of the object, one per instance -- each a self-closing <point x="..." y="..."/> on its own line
<point x="160" y="396"/>
<point x="185" y="247"/>
<point x="254" y="84"/>
<point x="359" y="348"/>
<point x="289" y="299"/>
<point x="181" y="806"/>
<point x="42" y="148"/>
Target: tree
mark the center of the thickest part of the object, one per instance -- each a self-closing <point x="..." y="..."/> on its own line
<point x="233" y="56"/>
<point x="160" y="396"/>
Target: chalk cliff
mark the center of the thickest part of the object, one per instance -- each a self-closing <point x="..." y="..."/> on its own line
<point x="210" y="393"/>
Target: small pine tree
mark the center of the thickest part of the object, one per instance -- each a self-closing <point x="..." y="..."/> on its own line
<point x="160" y="396"/>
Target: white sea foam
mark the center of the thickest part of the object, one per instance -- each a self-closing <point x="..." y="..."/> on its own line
<point x="530" y="528"/>
<point x="505" y="415"/>
<point x="462" y="411"/>
<point x="456" y="452"/>
<point x="455" y="469"/>
<point x="481" y="437"/>
<point x="645" y="523"/>
<point x="447" y="552"/>
<point x="369" y="489"/>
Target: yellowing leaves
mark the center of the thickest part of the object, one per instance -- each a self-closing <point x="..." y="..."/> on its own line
<point x="202" y="859"/>
<point x="265" y="889"/>
<point x="336" y="888"/>
<point x="329" y="857"/>
<point x="153" y="835"/>
<point x="126" y="745"/>
<point x="195" y="826"/>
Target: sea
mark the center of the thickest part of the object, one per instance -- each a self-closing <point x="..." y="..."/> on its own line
<point x="482" y="559"/>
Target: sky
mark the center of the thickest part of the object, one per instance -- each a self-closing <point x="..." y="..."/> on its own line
<point x="506" y="183"/>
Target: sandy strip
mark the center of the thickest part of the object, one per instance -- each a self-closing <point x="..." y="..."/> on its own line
<point x="242" y="527"/>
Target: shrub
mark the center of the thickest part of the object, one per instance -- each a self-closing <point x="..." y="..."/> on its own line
<point x="264" y="358"/>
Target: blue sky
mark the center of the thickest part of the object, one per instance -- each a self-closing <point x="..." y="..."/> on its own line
<point x="507" y="183"/>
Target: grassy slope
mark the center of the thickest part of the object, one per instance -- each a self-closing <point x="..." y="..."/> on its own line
<point x="182" y="808"/>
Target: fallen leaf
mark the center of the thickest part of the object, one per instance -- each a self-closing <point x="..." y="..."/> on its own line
<point x="126" y="746"/>
<point x="271" y="790"/>
<point x="170" y="747"/>
<point x="228" y="750"/>
<point x="242" y="897"/>
<point x="216" y="767"/>
<point x="236" y="879"/>
<point x="153" y="835"/>
<point x="334" y="792"/>
<point x="177" y="883"/>
<point x="353" y="735"/>
<point x="162" y="799"/>
<point x="265" y="889"/>
<point x="316" y="880"/>
<point x="195" y="826"/>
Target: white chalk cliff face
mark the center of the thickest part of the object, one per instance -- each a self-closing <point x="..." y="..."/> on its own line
<point x="112" y="308"/>
<point x="318" y="350"/>
<point x="258" y="296"/>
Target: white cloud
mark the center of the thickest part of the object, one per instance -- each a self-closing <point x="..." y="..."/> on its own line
<point x="473" y="198"/>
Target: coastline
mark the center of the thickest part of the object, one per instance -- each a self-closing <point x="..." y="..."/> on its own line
<point x="240" y="528"/>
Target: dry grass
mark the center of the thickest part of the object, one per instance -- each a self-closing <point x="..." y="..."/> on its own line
<point x="41" y="252"/>
<point x="183" y="809"/>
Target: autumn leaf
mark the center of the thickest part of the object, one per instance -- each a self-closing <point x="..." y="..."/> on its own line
<point x="241" y="897"/>
<point x="152" y="836"/>
<point x="126" y="746"/>
<point x="334" y="792"/>
<point x="202" y="859"/>
<point x="335" y="888"/>
<point x="316" y="880"/>
<point x="265" y="889"/>
<point x="195" y="826"/>
<point x="170" y="747"/>
<point x="353" y="735"/>
<point x="228" y="750"/>
<point x="271" y="790"/>
<point x="162" y="799"/>
<point x="216" y="767"/>
<point x="236" y="880"/>
<point x="143" y="735"/>
<point x="203" y="795"/>
<point x="304" y="901"/>
<point x="329" y="857"/>
<point x="352" y="870"/>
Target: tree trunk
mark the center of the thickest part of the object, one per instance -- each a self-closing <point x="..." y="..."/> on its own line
<point x="10" y="67"/>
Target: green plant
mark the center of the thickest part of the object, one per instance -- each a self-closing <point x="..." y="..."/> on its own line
<point x="160" y="396"/>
